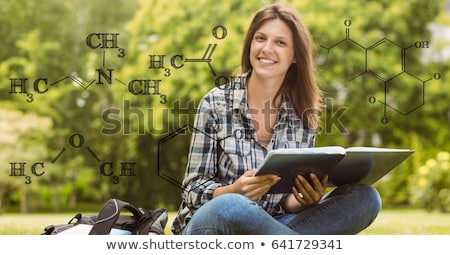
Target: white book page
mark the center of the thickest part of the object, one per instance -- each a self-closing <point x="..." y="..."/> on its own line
<point x="84" y="229"/>
<point x="313" y="150"/>
<point x="375" y="149"/>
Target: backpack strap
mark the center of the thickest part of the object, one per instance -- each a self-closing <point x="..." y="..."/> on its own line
<point x="109" y="214"/>
<point x="152" y="222"/>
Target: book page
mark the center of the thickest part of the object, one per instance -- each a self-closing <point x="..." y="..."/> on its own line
<point x="374" y="149"/>
<point x="84" y="229"/>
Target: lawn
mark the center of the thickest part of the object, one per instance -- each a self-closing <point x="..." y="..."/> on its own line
<point x="409" y="222"/>
<point x="389" y="222"/>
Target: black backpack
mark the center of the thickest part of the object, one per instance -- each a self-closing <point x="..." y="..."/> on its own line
<point x="140" y="222"/>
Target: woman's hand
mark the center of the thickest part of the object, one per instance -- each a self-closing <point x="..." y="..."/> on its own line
<point x="249" y="185"/>
<point x="305" y="193"/>
<point x="254" y="187"/>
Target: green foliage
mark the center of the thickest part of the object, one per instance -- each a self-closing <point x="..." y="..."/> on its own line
<point x="430" y="183"/>
<point x="24" y="137"/>
<point x="47" y="39"/>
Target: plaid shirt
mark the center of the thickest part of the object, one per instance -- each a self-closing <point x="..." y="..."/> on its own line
<point x="224" y="145"/>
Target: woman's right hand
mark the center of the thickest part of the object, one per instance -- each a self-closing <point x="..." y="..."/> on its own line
<point x="254" y="187"/>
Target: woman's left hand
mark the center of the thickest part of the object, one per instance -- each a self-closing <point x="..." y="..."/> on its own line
<point x="309" y="194"/>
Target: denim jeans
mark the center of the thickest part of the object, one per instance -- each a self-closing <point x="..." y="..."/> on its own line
<point x="347" y="209"/>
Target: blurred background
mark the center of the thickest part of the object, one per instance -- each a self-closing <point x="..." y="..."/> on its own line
<point x="97" y="97"/>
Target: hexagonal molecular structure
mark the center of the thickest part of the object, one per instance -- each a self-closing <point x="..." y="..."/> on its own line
<point x="172" y="167"/>
<point x="353" y="66"/>
<point x="400" y="90"/>
<point x="405" y="93"/>
<point x="377" y="57"/>
<point x="168" y="163"/>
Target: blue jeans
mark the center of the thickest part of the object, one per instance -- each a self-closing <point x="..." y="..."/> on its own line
<point x="347" y="209"/>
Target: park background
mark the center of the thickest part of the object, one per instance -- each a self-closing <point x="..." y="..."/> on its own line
<point x="384" y="67"/>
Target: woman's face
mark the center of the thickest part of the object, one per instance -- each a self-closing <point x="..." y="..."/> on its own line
<point x="272" y="50"/>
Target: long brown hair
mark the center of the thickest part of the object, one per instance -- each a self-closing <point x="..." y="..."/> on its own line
<point x="300" y="83"/>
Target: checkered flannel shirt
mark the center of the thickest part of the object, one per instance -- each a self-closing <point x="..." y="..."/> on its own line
<point x="224" y="145"/>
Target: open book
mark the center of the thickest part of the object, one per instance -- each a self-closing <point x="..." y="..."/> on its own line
<point x="352" y="165"/>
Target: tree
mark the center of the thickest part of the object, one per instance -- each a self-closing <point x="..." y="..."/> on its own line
<point x="148" y="89"/>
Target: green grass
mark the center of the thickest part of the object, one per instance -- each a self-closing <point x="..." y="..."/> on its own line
<point x="409" y="222"/>
<point x="389" y="222"/>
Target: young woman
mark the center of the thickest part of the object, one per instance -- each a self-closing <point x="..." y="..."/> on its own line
<point x="275" y="106"/>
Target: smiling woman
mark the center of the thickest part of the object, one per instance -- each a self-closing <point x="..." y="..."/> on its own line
<point x="271" y="54"/>
<point x="275" y="107"/>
